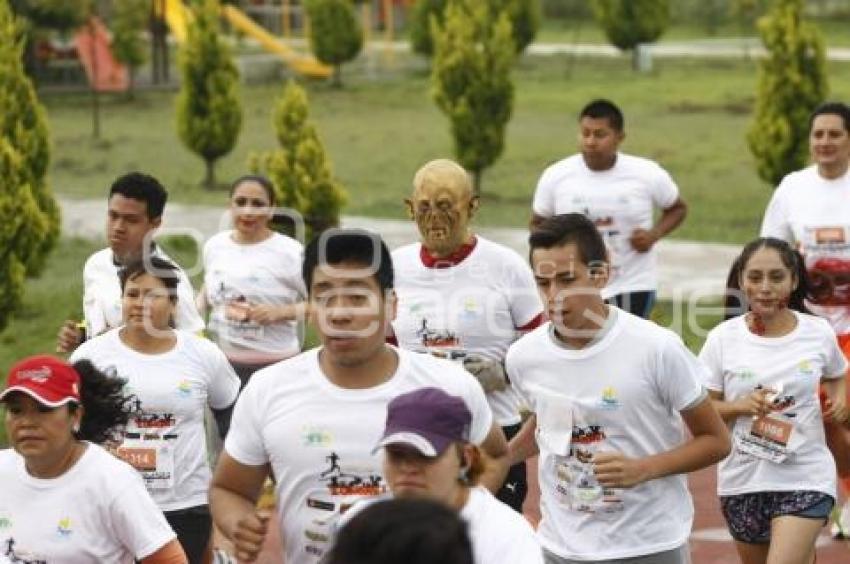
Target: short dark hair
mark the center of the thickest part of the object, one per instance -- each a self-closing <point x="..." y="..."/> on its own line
<point x="356" y="246"/>
<point x="408" y="531"/>
<point x="577" y="228"/>
<point x="161" y="269"/>
<point x="264" y="183"/>
<point x="142" y="187"/>
<point x="604" y="109"/>
<point x="832" y="108"/>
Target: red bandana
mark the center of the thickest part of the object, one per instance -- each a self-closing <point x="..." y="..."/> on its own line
<point x="454" y="259"/>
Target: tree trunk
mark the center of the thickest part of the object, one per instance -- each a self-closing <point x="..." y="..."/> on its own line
<point x="477" y="174"/>
<point x="209" y="180"/>
<point x="336" y="81"/>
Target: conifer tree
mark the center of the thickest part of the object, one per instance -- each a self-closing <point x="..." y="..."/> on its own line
<point x="628" y="23"/>
<point x="336" y="36"/>
<point x="128" y="22"/>
<point x="299" y="168"/>
<point x="23" y="127"/>
<point x="209" y="115"/>
<point x="792" y="82"/>
<point x="420" y="24"/>
<point x="471" y="78"/>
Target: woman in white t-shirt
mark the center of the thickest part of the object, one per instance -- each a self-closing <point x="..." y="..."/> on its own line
<point x="252" y="282"/>
<point x="777" y="487"/>
<point x="63" y="497"/>
<point x="427" y="454"/>
<point x="174" y="376"/>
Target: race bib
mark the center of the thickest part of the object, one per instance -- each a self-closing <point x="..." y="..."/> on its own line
<point x="148" y="446"/>
<point x="767" y="437"/>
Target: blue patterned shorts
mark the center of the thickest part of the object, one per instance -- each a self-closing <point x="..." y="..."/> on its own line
<point x="749" y="515"/>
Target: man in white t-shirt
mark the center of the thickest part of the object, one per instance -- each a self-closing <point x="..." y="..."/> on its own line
<point x="610" y="392"/>
<point x="811" y="210"/>
<point x="620" y="193"/>
<point x="136" y="203"/>
<point x="463" y="297"/>
<point x="313" y="420"/>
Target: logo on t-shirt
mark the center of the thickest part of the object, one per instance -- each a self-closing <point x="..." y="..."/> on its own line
<point x="316" y="437"/>
<point x="609" y="398"/>
<point x="805" y="368"/>
<point x="64" y="527"/>
<point x="5" y="522"/>
<point x="345" y="481"/>
<point x="184" y="388"/>
<point x="18" y="556"/>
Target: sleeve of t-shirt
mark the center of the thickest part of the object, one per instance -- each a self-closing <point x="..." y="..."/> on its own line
<point x="665" y="192"/>
<point x="473" y="395"/>
<point x="92" y="312"/>
<point x="836" y="362"/>
<point x="187" y="317"/>
<point x="514" y="375"/>
<point x="679" y="375"/>
<point x="244" y="440"/>
<point x="525" y="301"/>
<point x="775" y="222"/>
<point x="136" y="520"/>
<point x="711" y="358"/>
<point x="223" y="384"/>
<point x="544" y="195"/>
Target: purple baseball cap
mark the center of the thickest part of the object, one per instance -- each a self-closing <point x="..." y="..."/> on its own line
<point x="428" y="419"/>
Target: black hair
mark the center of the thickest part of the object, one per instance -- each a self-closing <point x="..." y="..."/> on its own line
<point x="832" y="108"/>
<point x="356" y="246"/>
<point x="408" y="531"/>
<point x="604" y="109"/>
<point x="560" y="230"/>
<point x="264" y="183"/>
<point x="734" y="303"/>
<point x="161" y="269"/>
<point x="142" y="187"/>
<point x="105" y="407"/>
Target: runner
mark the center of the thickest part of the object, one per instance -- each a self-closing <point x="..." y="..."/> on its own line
<point x="811" y="210"/>
<point x="463" y="297"/>
<point x="136" y="204"/>
<point x="606" y="388"/>
<point x="777" y="487"/>
<point x="314" y="419"/>
<point x="64" y="498"/>
<point x="427" y="455"/>
<point x="174" y="375"/>
<point x="252" y="280"/>
<point x="619" y="192"/>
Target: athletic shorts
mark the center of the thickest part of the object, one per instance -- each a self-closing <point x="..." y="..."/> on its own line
<point x="681" y="555"/>
<point x="749" y="515"/>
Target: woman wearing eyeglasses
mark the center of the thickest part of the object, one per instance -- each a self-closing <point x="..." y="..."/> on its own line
<point x="252" y="282"/>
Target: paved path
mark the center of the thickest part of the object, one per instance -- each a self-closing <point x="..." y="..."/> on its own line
<point x="686" y="269"/>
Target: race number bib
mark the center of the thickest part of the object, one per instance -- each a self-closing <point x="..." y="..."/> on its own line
<point x="767" y="437"/>
<point x="153" y="459"/>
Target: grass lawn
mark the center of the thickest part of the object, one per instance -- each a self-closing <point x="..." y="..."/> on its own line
<point x="689" y="115"/>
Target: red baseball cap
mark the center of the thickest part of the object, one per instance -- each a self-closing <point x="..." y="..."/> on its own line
<point x="47" y="379"/>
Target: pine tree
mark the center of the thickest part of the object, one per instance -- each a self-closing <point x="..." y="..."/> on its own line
<point x="23" y="126"/>
<point x="525" y="18"/>
<point x="420" y="24"/>
<point x="628" y="23"/>
<point x="792" y="81"/>
<point x="471" y="77"/>
<point x="299" y="168"/>
<point x="209" y="115"/>
<point x="129" y="20"/>
<point x="336" y="36"/>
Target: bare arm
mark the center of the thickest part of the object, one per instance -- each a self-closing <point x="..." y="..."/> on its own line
<point x="495" y="451"/>
<point x="234" y="492"/>
<point x="266" y="313"/>
<point x="753" y="405"/>
<point x="642" y="240"/>
<point x="836" y="400"/>
<point x="171" y="553"/>
<point x="524" y="445"/>
<point x="710" y="444"/>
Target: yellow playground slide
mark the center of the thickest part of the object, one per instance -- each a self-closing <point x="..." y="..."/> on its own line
<point x="177" y="15"/>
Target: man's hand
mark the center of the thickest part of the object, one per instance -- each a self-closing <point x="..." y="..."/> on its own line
<point x="69" y="337"/>
<point x="614" y="470"/>
<point x="489" y="373"/>
<point x="250" y="534"/>
<point x="757" y="403"/>
<point x="642" y="240"/>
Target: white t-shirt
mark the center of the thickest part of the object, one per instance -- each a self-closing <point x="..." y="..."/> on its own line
<point x="102" y="296"/>
<point x="319" y="438"/>
<point x="813" y="213"/>
<point x="618" y="200"/>
<point x="97" y="512"/>
<point x="165" y="438"/>
<point x="622" y="393"/>
<point x="471" y="308"/>
<point x="793" y="365"/>
<point x="268" y="272"/>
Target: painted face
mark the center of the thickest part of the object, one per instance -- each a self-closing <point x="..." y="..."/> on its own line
<point x="38" y="432"/>
<point x="442" y="213"/>
<point x="349" y="312"/>
<point x="127" y="226"/>
<point x="766" y="282"/>
<point x="411" y="474"/>
<point x="829" y="141"/>
<point x="146" y="304"/>
<point x="569" y="288"/>
<point x="598" y="142"/>
<point x="250" y="208"/>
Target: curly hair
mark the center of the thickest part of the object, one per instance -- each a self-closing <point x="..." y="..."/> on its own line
<point x="106" y="408"/>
